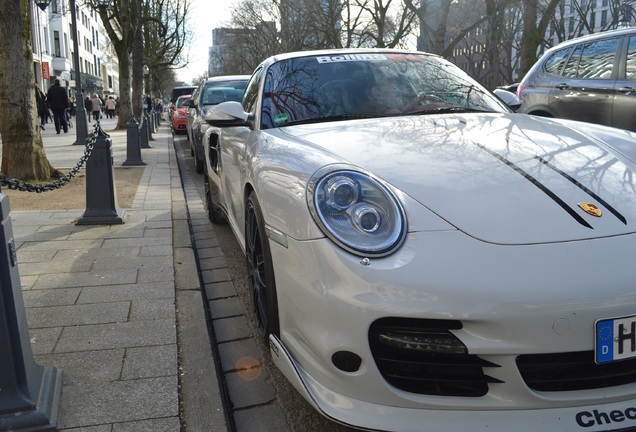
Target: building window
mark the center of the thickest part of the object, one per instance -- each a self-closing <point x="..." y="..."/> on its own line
<point x="56" y="44"/>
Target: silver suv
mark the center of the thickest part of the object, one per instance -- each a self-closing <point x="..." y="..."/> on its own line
<point x="592" y="79"/>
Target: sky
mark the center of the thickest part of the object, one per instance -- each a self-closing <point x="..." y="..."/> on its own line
<point x="204" y="16"/>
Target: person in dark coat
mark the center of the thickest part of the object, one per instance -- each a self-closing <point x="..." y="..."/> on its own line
<point x="40" y="99"/>
<point x="58" y="102"/>
<point x="88" y="106"/>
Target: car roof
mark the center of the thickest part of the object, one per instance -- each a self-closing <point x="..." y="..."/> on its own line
<point x="228" y="78"/>
<point x="184" y="97"/>
<point x="594" y="36"/>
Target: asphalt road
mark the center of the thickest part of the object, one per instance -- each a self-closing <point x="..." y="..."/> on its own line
<point x="293" y="410"/>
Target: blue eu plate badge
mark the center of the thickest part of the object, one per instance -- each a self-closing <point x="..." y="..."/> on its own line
<point x="615" y="339"/>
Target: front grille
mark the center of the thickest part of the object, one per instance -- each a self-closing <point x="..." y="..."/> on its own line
<point x="573" y="371"/>
<point x="424" y="357"/>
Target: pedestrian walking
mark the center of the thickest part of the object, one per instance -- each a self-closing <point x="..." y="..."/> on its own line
<point x="88" y="106"/>
<point x="110" y="107"/>
<point x="73" y="107"/>
<point x="58" y="102"/>
<point x="147" y="103"/>
<point x="96" y="107"/>
<point x="40" y="99"/>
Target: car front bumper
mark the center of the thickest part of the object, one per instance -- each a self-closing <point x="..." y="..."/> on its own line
<point x="510" y="300"/>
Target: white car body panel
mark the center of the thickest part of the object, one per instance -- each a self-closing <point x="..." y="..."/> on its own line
<point x="496" y="240"/>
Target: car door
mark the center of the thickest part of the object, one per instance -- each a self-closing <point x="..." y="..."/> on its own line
<point x="191" y="113"/>
<point x="586" y="91"/>
<point x="624" y="109"/>
<point x="231" y="148"/>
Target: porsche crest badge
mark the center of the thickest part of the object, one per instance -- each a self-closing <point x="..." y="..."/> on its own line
<point x="591" y="209"/>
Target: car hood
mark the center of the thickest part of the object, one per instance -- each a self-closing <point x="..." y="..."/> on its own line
<point x="501" y="178"/>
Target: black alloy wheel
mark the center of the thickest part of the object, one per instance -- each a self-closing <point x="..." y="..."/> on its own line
<point x="260" y="270"/>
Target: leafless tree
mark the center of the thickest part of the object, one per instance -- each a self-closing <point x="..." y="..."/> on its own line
<point x="124" y="22"/>
<point x="536" y="18"/>
<point x="165" y="37"/>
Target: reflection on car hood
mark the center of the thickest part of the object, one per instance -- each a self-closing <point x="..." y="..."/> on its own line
<point x="502" y="178"/>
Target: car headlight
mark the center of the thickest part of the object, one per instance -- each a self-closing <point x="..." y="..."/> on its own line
<point x="356" y="211"/>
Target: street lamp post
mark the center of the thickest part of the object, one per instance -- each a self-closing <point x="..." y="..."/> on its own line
<point x="81" y="125"/>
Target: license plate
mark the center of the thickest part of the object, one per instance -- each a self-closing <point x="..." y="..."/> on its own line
<point x="615" y="339"/>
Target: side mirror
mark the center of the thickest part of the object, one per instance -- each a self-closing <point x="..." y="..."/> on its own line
<point x="508" y="98"/>
<point x="229" y="113"/>
<point x="188" y="103"/>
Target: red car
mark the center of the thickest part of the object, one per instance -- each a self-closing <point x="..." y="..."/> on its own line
<point x="179" y="115"/>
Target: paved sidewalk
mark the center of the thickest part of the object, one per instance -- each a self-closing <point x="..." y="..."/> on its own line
<point x="119" y="308"/>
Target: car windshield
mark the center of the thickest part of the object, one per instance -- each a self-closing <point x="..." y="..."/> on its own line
<point x="345" y="86"/>
<point x="223" y="91"/>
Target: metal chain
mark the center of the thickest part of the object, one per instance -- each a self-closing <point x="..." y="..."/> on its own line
<point x="15" y="184"/>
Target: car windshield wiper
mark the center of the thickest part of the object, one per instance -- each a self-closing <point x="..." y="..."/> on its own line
<point x="329" y="118"/>
<point x="442" y="110"/>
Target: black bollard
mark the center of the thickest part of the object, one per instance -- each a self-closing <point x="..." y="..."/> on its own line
<point x="153" y="123"/>
<point x="101" y="196"/>
<point x="133" y="145"/>
<point x="150" y="126"/>
<point x="29" y="392"/>
<point x="143" y="132"/>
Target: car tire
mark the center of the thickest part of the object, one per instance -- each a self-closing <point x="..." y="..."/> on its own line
<point x="215" y="213"/>
<point x="260" y="270"/>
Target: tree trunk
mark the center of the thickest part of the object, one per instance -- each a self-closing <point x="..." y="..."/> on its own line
<point x="125" y="104"/>
<point x="440" y="33"/>
<point x="22" y="149"/>
<point x="533" y="32"/>
<point x="492" y="42"/>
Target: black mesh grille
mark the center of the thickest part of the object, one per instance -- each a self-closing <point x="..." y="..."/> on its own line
<point x="573" y="371"/>
<point x="427" y="371"/>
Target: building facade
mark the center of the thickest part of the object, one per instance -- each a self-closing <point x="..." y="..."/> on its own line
<point x="54" y="56"/>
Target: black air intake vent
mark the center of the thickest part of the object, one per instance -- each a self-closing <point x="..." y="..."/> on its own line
<point x="424" y="357"/>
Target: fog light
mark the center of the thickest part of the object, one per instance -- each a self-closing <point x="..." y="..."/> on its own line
<point x="441" y="343"/>
<point x="346" y="361"/>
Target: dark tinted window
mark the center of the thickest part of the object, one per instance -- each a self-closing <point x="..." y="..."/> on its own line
<point x="570" y="69"/>
<point x="630" y="66"/>
<point x="556" y="61"/>
<point x="597" y="59"/>
<point x="251" y="93"/>
<point x="594" y="60"/>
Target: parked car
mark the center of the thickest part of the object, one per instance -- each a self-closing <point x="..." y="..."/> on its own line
<point x="211" y="92"/>
<point x="174" y="95"/>
<point x="591" y="79"/>
<point x="421" y="257"/>
<point x="178" y="119"/>
<point x="181" y="91"/>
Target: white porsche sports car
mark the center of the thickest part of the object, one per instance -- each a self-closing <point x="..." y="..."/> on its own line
<point x="421" y="257"/>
